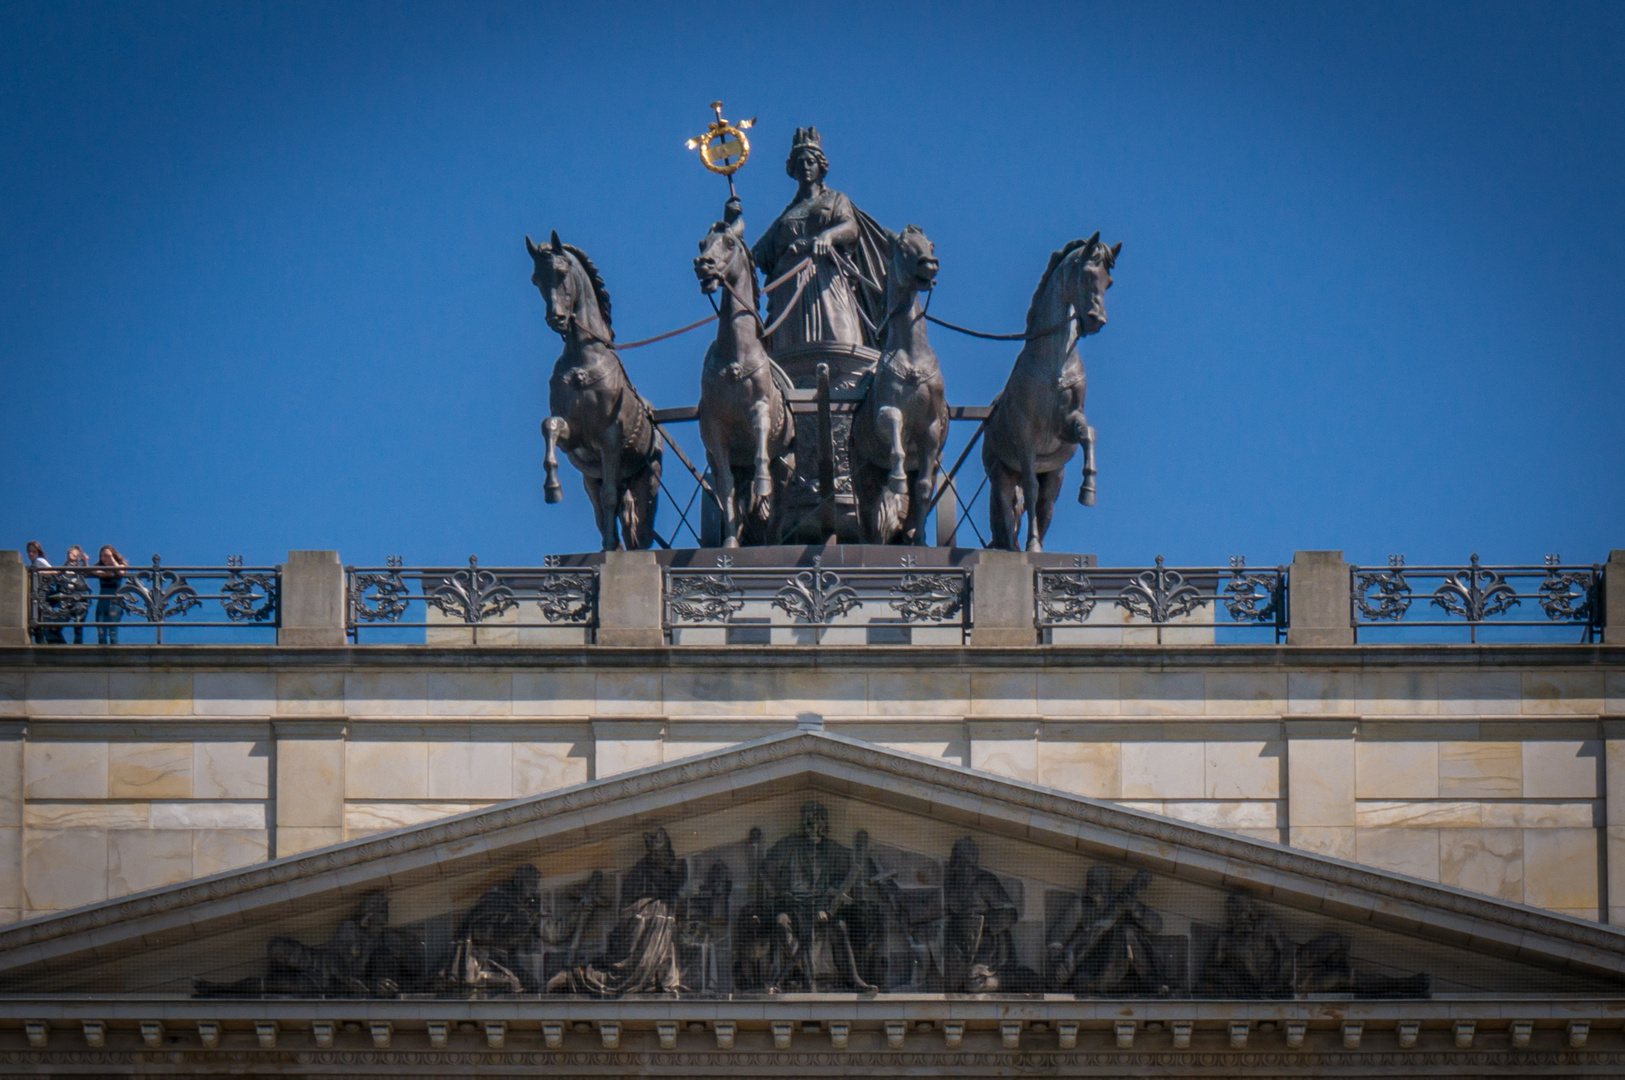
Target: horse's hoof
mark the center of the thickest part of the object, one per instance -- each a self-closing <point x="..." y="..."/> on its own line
<point x="762" y="488"/>
<point x="1086" y="496"/>
<point x="1034" y="545"/>
<point x="897" y="485"/>
<point x="553" y="493"/>
<point x="731" y="542"/>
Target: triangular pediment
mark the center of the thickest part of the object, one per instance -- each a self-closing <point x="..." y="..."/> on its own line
<point x="1060" y="895"/>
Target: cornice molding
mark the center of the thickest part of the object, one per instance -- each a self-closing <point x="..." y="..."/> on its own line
<point x="801" y="657"/>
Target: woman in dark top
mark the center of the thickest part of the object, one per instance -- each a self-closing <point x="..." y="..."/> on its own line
<point x="108" y="581"/>
<point x="76" y="557"/>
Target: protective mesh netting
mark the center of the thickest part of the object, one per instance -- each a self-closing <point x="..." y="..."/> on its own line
<point x="802" y="891"/>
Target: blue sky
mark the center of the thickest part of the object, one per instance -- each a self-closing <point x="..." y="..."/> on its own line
<point x="265" y="286"/>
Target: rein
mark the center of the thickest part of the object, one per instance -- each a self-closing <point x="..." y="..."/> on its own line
<point x="1062" y="325"/>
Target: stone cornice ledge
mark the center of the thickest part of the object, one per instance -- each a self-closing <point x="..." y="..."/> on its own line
<point x="1152" y="657"/>
<point x="1475" y="920"/>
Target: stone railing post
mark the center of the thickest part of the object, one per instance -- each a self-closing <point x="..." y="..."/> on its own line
<point x="1319" y="599"/>
<point x="13" y="599"/>
<point x="1613" y="611"/>
<point x="312" y="599"/>
<point x="1002" y="599"/>
<point x="630" y="599"/>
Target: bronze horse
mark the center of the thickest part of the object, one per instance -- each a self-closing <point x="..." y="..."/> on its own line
<point x="1037" y="421"/>
<point x="902" y="422"/>
<point x="744" y="409"/>
<point x="604" y="425"/>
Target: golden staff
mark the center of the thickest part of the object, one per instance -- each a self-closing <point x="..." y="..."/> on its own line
<point x="723" y="147"/>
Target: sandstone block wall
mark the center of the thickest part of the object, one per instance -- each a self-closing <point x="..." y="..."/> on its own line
<point x="1492" y="776"/>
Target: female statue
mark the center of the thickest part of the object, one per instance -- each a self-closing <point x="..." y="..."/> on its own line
<point x="823" y="223"/>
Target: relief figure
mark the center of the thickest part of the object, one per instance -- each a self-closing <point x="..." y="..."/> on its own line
<point x="641" y="954"/>
<point x="978" y="946"/>
<point x="1109" y="952"/>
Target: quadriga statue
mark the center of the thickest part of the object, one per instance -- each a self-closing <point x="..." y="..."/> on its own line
<point x="902" y="422"/>
<point x="1037" y="421"/>
<point x="602" y="422"/>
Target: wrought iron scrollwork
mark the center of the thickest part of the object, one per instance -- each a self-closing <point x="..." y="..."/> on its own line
<point x="816" y="596"/>
<point x="1065" y="597"/>
<point x="705" y="598"/>
<point x="60" y="597"/>
<point x="250" y="598"/>
<point x="1383" y="594"/>
<point x="1475" y="593"/>
<point x="927" y="597"/>
<point x="566" y="597"/>
<point x="1252" y="597"/>
<point x="379" y="597"/>
<point x="1569" y="596"/>
<point x="1160" y="595"/>
<point x="156" y="594"/>
<point x="471" y="595"/>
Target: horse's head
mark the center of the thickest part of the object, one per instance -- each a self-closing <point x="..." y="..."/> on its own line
<point x="570" y="285"/>
<point x="555" y="277"/>
<point x="1086" y="274"/>
<point x="721" y="251"/>
<point x="914" y="259"/>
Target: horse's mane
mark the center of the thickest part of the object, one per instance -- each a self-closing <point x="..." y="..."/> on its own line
<point x="593" y="276"/>
<point x="1055" y="260"/>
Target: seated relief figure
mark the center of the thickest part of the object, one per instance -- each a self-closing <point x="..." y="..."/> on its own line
<point x="1109" y="951"/>
<point x="364" y="957"/>
<point x="979" y="950"/>
<point x="505" y="922"/>
<point x="641" y="954"/>
<point x="1251" y="957"/>
<point x="808" y="880"/>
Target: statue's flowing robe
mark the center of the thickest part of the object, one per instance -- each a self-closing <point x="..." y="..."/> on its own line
<point x="641" y="955"/>
<point x="830" y="305"/>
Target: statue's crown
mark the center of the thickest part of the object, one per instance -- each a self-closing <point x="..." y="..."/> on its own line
<point x="806" y="137"/>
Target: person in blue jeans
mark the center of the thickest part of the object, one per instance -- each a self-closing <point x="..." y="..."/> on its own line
<point x="108" y="580"/>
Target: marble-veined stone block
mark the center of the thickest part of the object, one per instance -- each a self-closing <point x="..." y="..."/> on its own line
<point x="1488" y="861"/>
<point x="149" y="770"/>
<point x="1396" y="769"/>
<point x="1163" y="770"/>
<point x="65" y="770"/>
<point x="1480" y="768"/>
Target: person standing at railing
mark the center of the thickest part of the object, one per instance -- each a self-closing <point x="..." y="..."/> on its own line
<point x="76" y="557"/>
<point x="107" y="582"/>
<point x="43" y="635"/>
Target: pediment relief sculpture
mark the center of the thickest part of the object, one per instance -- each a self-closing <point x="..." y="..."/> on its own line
<point x="808" y="865"/>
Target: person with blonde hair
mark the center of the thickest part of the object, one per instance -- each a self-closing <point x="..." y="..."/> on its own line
<point x="108" y="610"/>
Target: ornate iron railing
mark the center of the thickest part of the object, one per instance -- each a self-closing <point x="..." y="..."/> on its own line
<point x="815" y="604"/>
<point x="1477" y="597"/>
<point x="1104" y="599"/>
<point x="471" y="599"/>
<point x="63" y="599"/>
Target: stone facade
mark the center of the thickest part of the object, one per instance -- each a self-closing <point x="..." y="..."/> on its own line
<point x="1499" y="770"/>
